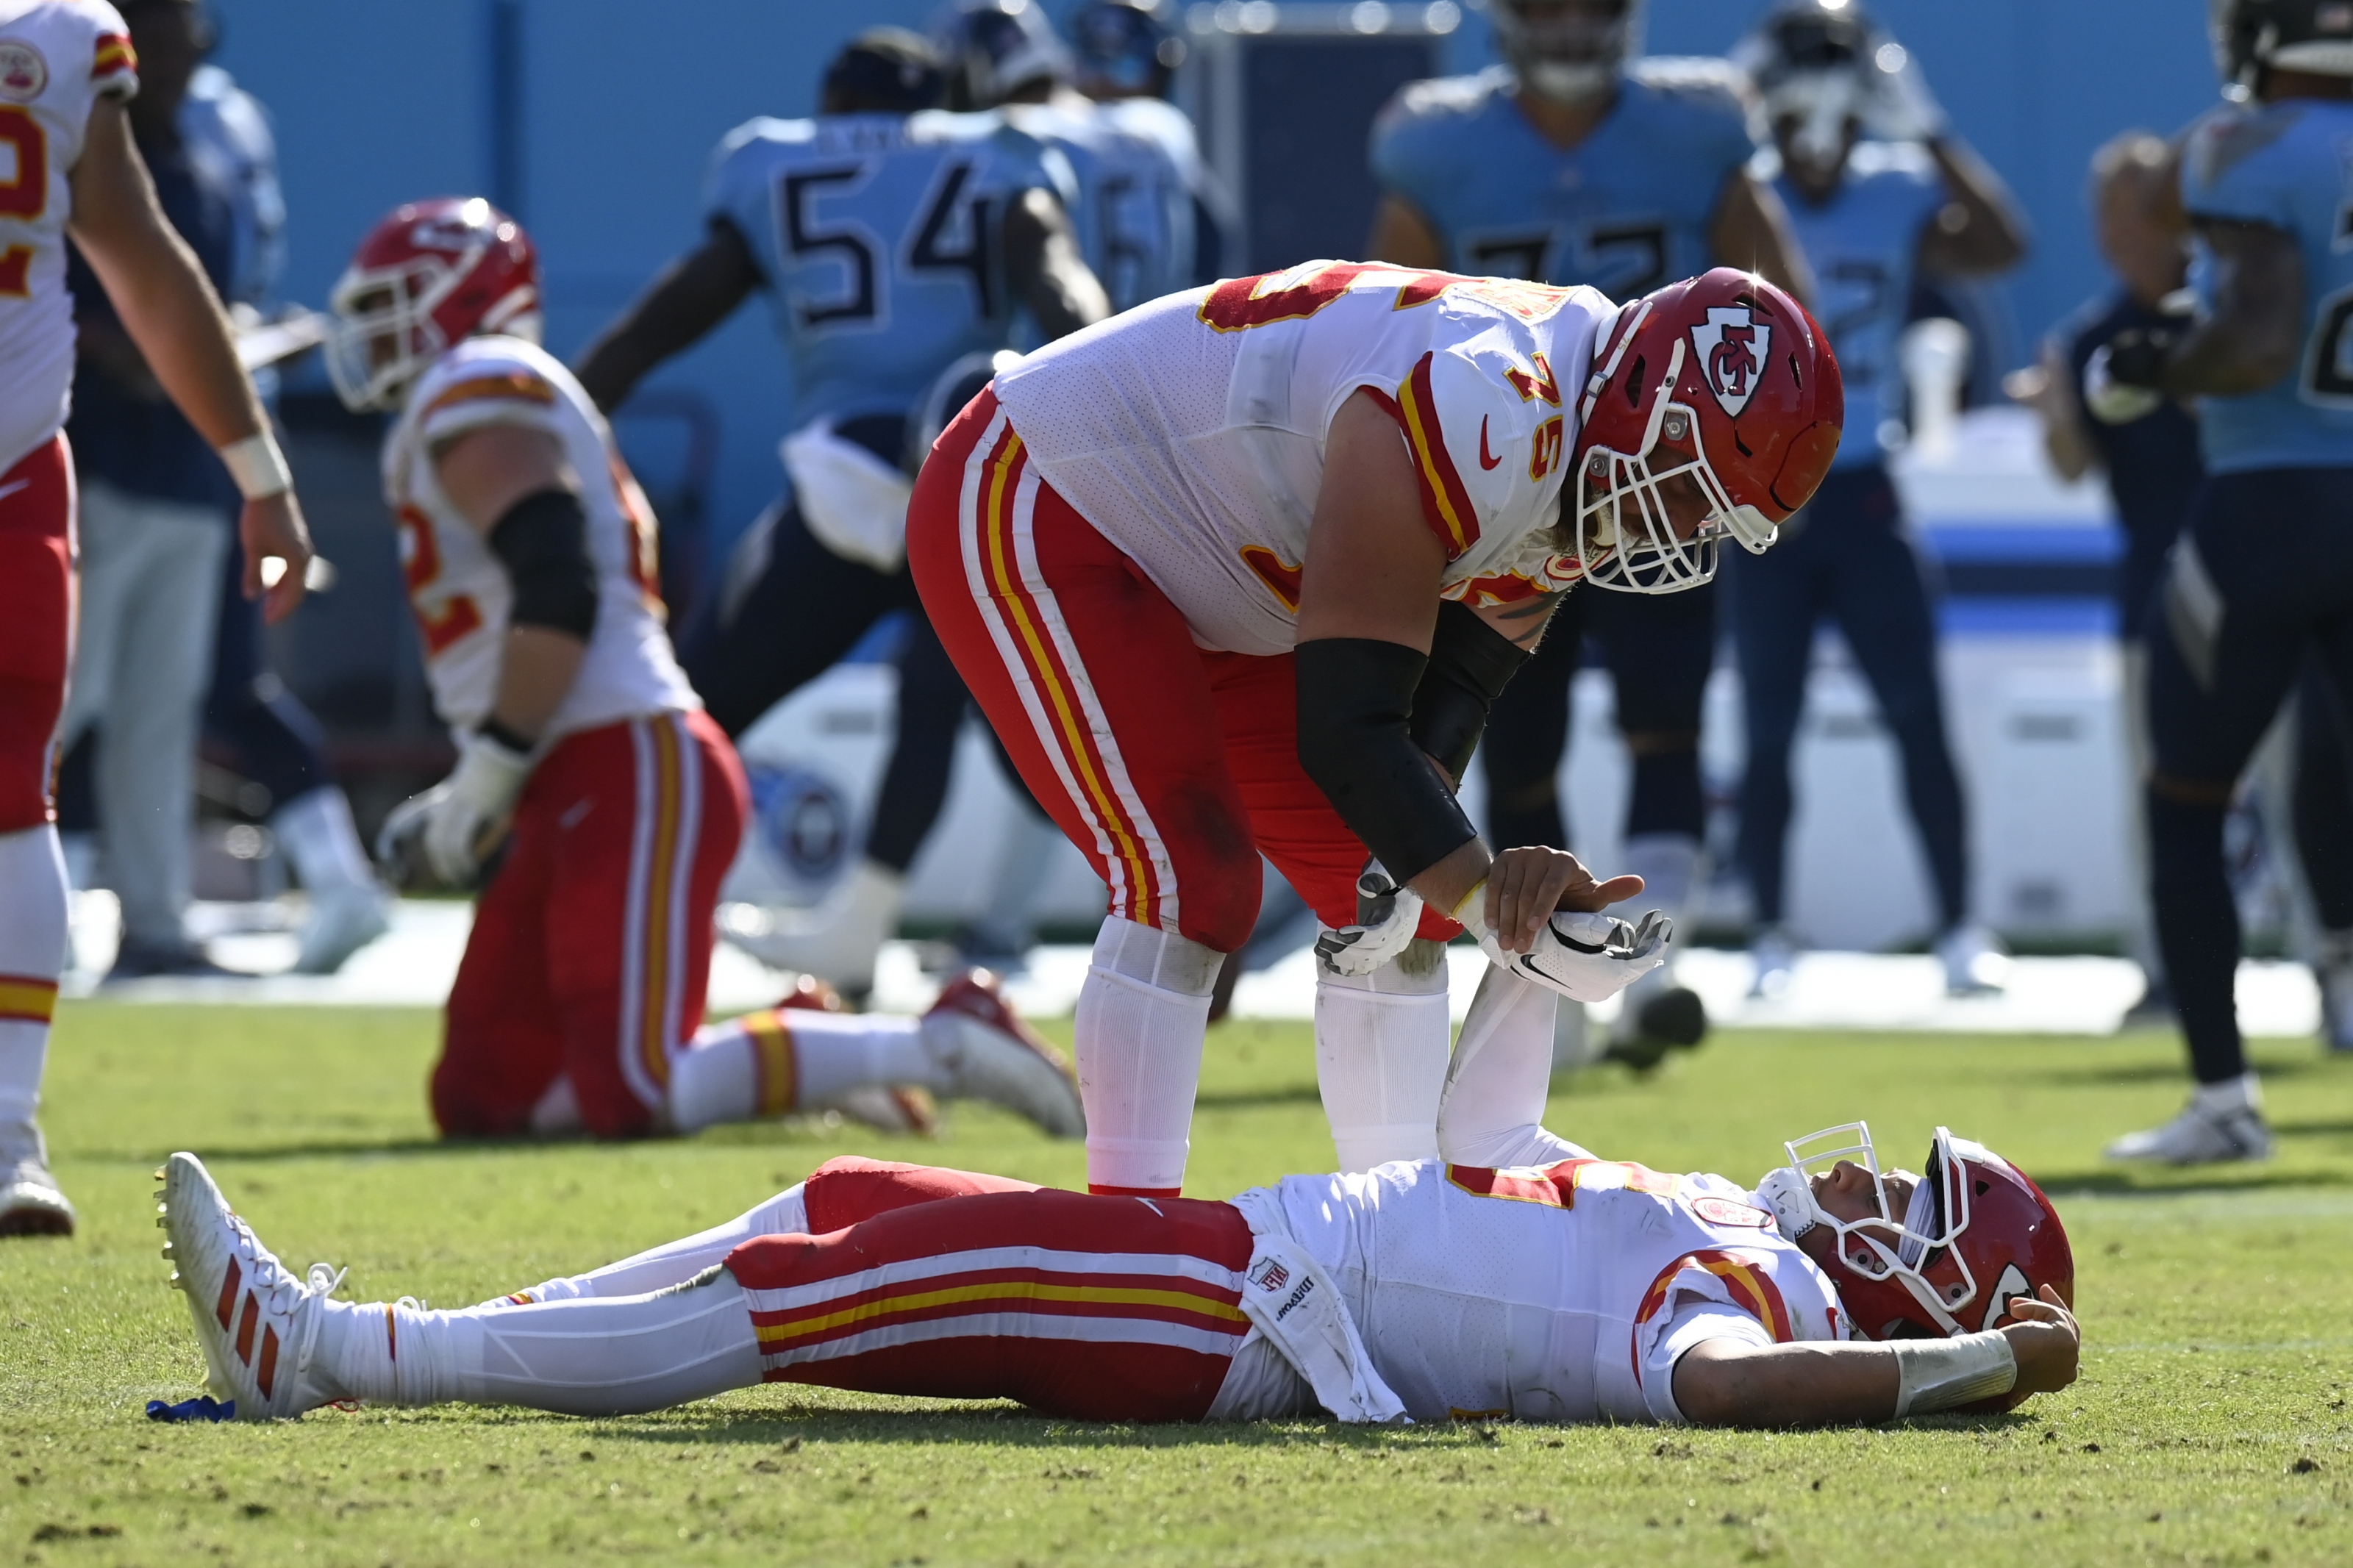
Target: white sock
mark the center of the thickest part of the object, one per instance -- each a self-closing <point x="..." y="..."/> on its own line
<point x="2232" y="1094"/>
<point x="32" y="956"/>
<point x="675" y="1262"/>
<point x="323" y="841"/>
<point x="1496" y="1085"/>
<point x="1381" y="1042"/>
<point x="1143" y="1012"/>
<point x="780" y="1059"/>
<point x="616" y="1357"/>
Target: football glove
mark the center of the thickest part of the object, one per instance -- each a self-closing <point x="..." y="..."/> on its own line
<point x="2122" y="377"/>
<point x="1585" y="957"/>
<point x="1388" y="914"/>
<point x="443" y="837"/>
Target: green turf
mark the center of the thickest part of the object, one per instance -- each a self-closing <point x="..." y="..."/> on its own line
<point x="2210" y="1425"/>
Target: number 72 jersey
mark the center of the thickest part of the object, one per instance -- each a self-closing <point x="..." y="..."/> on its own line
<point x="877" y="236"/>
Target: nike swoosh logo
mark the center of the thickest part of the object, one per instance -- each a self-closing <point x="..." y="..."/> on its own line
<point x="1486" y="458"/>
<point x="7" y="490"/>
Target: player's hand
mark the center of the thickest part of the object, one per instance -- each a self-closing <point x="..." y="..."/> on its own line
<point x="444" y="836"/>
<point x="2123" y="377"/>
<point x="1586" y="957"/>
<point x="1526" y="886"/>
<point x="1900" y="107"/>
<point x="2043" y="1336"/>
<point x="271" y="528"/>
<point x="1388" y="914"/>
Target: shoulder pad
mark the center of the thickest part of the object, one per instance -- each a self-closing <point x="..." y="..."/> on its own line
<point x="486" y="370"/>
<point x="1694" y="78"/>
<point x="1444" y="97"/>
<point x="2231" y="135"/>
<point x="1879" y="159"/>
<point x="767" y="128"/>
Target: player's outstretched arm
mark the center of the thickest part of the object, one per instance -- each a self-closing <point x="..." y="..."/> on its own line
<point x="1750" y="230"/>
<point x="685" y="301"/>
<point x="1980" y="230"/>
<point x="169" y="309"/>
<point x="1725" y="1383"/>
<point x="1048" y="273"/>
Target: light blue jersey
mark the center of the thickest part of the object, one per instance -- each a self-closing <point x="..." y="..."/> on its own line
<point x="1863" y="243"/>
<point x="878" y="238"/>
<point x="2289" y="165"/>
<point x="227" y="129"/>
<point x="1131" y="204"/>
<point x="1625" y="211"/>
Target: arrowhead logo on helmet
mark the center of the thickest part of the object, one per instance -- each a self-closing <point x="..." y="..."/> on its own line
<point x="1734" y="349"/>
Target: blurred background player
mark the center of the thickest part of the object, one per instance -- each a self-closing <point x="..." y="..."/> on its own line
<point x="2262" y="574"/>
<point x="2150" y="462"/>
<point x="1131" y="204"/>
<point x="1878" y="191"/>
<point x="594" y="802"/>
<point x="1575" y="162"/>
<point x="974" y="232"/>
<point x="275" y="740"/>
<point x="158" y="511"/>
<point x="1126" y="61"/>
<point x="66" y="69"/>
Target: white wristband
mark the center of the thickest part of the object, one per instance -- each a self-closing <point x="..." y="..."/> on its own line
<point x="258" y="466"/>
<point x="1938" y="1374"/>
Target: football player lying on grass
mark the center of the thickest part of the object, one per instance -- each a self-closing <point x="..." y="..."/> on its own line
<point x="1578" y="1290"/>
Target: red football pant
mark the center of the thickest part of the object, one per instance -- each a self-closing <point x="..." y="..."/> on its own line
<point x="1094" y="1309"/>
<point x="36" y="586"/>
<point x="1171" y="768"/>
<point x="592" y="944"/>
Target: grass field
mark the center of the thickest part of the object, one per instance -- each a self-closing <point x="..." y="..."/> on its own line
<point x="2210" y="1425"/>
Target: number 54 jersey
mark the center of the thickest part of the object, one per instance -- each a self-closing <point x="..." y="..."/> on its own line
<point x="1559" y="1294"/>
<point x="58" y="59"/>
<point x="1190" y="432"/>
<point x="459" y="590"/>
<point x="878" y="236"/>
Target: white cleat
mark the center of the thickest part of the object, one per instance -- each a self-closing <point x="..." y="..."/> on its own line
<point x="31" y="1203"/>
<point x="258" y="1323"/>
<point x="887" y="1108"/>
<point x="1976" y="963"/>
<point x="2201" y="1135"/>
<point x="343" y="920"/>
<point x="1774" y="953"/>
<point x="988" y="1053"/>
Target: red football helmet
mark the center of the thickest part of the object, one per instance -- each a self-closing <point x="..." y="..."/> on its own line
<point x="429" y="275"/>
<point x="1724" y="378"/>
<point x="1978" y="1235"/>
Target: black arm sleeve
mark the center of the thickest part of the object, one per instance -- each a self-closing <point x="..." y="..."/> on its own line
<point x="543" y="540"/>
<point x="1355" y="697"/>
<point x="1469" y="662"/>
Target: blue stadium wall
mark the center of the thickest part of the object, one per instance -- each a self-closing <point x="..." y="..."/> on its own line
<point x="600" y="135"/>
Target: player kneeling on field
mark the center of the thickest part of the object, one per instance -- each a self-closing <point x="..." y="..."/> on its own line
<point x="594" y="802"/>
<point x="1576" y="1289"/>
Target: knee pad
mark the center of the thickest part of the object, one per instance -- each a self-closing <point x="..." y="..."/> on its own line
<point x="1160" y="959"/>
<point x="841" y="1193"/>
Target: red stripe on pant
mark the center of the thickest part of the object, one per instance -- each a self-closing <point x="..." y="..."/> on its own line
<point x="36" y="582"/>
<point x="1130" y="1343"/>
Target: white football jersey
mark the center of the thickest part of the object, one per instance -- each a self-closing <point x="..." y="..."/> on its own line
<point x="459" y="589"/>
<point x="1560" y="1294"/>
<point x="57" y="57"/>
<point x="1191" y="431"/>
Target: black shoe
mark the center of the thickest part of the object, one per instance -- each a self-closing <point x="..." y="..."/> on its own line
<point x="1672" y="1020"/>
<point x="148" y="961"/>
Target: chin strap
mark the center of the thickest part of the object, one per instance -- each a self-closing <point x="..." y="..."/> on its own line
<point x="1791" y="1199"/>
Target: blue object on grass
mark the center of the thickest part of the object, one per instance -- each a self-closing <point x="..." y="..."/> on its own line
<point x="203" y="1407"/>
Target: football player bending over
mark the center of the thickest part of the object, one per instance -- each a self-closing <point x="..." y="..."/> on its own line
<point x="1241" y="571"/>
<point x="594" y="802"/>
<point x="1578" y="1290"/>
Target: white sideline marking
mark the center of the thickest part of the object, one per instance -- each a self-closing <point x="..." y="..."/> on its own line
<point x="415" y="963"/>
